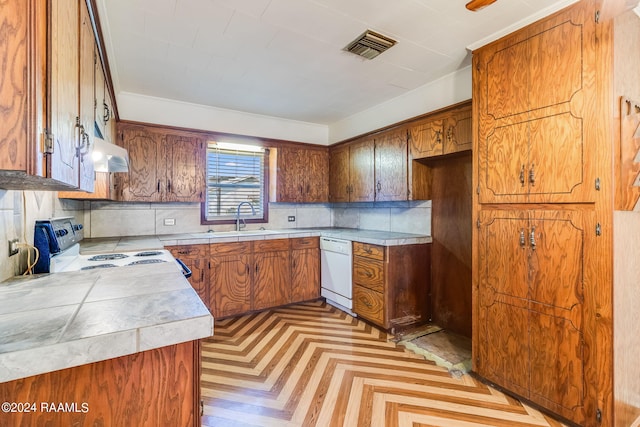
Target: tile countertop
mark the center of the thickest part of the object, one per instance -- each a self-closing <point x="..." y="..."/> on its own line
<point x="384" y="238"/>
<point x="56" y="321"/>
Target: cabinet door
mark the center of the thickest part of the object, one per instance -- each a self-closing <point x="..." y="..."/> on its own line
<point x="87" y="99"/>
<point x="361" y="171"/>
<point x="426" y="138"/>
<point x="184" y="159"/>
<point x="196" y="259"/>
<point x="457" y="131"/>
<point x="503" y="296"/>
<point x="391" y="166"/>
<point x="145" y="180"/>
<point x="339" y="174"/>
<point x="290" y="175"/>
<point x="272" y="275"/>
<point x="230" y="284"/>
<point x="64" y="91"/>
<point x="316" y="176"/>
<point x="538" y="124"/>
<point x="305" y="274"/>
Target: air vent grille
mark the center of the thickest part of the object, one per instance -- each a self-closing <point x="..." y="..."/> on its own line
<point x="370" y="44"/>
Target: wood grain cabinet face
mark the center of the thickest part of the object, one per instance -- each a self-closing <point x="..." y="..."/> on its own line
<point x="458" y="135"/>
<point x="162" y="166"/>
<point x="196" y="258"/>
<point x="534" y="135"/>
<point x="361" y="171"/>
<point x="339" y="174"/>
<point x="230" y="278"/>
<point x="303" y="175"/>
<point x="532" y="311"/>
<point x="272" y="273"/>
<point x="426" y="138"/>
<point x="305" y="269"/>
<point x="391" y="165"/>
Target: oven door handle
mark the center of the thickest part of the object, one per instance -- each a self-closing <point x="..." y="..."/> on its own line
<point x="186" y="271"/>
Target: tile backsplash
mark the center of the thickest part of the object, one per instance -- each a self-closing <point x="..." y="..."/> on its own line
<point x="109" y="219"/>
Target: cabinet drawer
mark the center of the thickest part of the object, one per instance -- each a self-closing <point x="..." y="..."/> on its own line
<point x="189" y="251"/>
<point x="233" y="248"/>
<point x="368" y="304"/>
<point x="270" y="245"/>
<point x="368" y="250"/>
<point x="368" y="273"/>
<point x="305" y="243"/>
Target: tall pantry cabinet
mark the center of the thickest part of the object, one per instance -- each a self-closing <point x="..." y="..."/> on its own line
<point x="542" y="214"/>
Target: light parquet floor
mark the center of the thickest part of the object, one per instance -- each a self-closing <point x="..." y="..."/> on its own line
<point x="313" y="365"/>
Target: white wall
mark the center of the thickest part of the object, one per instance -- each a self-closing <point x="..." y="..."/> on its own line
<point x="451" y="89"/>
<point x="162" y="111"/>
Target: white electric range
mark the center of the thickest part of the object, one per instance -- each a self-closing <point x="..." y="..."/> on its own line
<point x="58" y="241"/>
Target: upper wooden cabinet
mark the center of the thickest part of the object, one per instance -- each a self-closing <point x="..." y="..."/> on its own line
<point x="339" y="174"/>
<point x="391" y="165"/>
<point x="302" y="175"/>
<point x="361" y="170"/>
<point x="445" y="132"/>
<point x="535" y="134"/>
<point x="163" y="166"/>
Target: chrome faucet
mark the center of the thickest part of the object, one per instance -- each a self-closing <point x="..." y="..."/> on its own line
<point x="253" y="212"/>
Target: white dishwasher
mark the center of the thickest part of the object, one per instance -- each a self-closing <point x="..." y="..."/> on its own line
<point x="335" y="264"/>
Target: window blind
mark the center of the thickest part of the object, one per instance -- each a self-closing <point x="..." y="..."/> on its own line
<point x="233" y="177"/>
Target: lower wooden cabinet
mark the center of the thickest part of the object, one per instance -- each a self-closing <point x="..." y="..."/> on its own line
<point x="159" y="387"/>
<point x="391" y="284"/>
<point x="305" y="269"/>
<point x="237" y="277"/>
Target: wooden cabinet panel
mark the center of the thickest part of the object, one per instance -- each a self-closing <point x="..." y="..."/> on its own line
<point x="271" y="280"/>
<point x="305" y="269"/>
<point x="426" y="138"/>
<point x="458" y="135"/>
<point x="369" y="273"/>
<point x="368" y="304"/>
<point x="230" y="283"/>
<point x="157" y="387"/>
<point x="196" y="258"/>
<point x="185" y="168"/>
<point x="64" y="91"/>
<point x="391" y="165"/>
<point x="361" y="171"/>
<point x="87" y="99"/>
<point x="163" y="166"/>
<point x="368" y="250"/>
<point x="532" y="139"/>
<point x="339" y="174"/>
<point x="302" y="175"/>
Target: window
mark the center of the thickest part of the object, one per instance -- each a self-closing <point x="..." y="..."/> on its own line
<point x="235" y="174"/>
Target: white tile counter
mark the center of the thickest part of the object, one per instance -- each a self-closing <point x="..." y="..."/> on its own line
<point x="56" y="321"/>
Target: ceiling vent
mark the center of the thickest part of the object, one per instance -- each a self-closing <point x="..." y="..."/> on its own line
<point x="370" y="44"/>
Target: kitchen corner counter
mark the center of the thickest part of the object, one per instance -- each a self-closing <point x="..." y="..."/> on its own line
<point x="55" y="321"/>
<point x="383" y="238"/>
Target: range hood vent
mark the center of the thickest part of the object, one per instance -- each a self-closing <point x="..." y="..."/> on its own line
<point x="109" y="157"/>
<point x="370" y="44"/>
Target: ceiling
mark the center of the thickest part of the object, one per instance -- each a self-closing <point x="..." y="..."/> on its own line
<point x="285" y="58"/>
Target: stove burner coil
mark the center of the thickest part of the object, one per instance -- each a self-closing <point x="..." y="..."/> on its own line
<point x="148" y="253"/>
<point x="92" y="267"/>
<point x="107" y="257"/>
<point x="147" y="261"/>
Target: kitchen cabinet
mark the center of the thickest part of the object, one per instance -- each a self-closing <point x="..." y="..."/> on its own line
<point x="87" y="99"/>
<point x="391" y="284"/>
<point x="163" y="166"/>
<point x="104" y="105"/>
<point x="159" y="387"/>
<point x="339" y="174"/>
<point x="361" y="171"/>
<point x="272" y="273"/>
<point x="391" y="165"/>
<point x="103" y="189"/>
<point x="302" y="175"/>
<point x="305" y="269"/>
<point x="230" y="278"/>
<point x="533" y="274"/>
<point x="542" y="200"/>
<point x="443" y="132"/>
<point x="196" y="258"/>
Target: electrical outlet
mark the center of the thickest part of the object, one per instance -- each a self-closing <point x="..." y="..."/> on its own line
<point x="291" y="218"/>
<point x="169" y="221"/>
<point x="13" y="247"/>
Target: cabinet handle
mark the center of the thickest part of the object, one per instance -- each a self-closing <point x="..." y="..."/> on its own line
<point x="522" y="175"/>
<point x="379" y="186"/>
<point x="107" y="113"/>
<point x="439" y="136"/>
<point x="201" y="275"/>
<point x="201" y="408"/>
<point x="367" y="303"/>
<point x="532" y="238"/>
<point x="247" y="269"/>
<point x="450" y="133"/>
<point x="368" y="274"/>
<point x="532" y="175"/>
<point x="522" y="239"/>
<point x="169" y="186"/>
<point x="256" y="268"/>
<point x="158" y="186"/>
